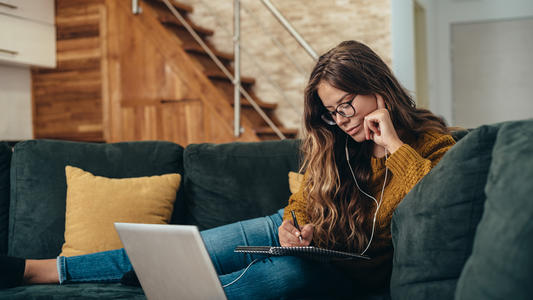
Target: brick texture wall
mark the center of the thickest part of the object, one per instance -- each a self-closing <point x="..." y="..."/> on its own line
<point x="322" y="23"/>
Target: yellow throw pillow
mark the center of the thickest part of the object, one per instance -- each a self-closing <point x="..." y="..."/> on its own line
<point x="295" y="181"/>
<point x="94" y="203"/>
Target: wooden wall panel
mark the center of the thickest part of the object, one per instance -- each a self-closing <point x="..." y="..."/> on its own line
<point x="67" y="100"/>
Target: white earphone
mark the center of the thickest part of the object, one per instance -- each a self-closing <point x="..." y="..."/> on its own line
<point x="378" y="204"/>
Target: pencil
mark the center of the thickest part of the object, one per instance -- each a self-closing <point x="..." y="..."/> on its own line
<point x="295" y="221"/>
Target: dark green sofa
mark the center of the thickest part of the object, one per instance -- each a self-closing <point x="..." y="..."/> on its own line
<point x="230" y="182"/>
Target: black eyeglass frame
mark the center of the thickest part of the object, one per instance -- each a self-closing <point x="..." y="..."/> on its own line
<point x="329" y="116"/>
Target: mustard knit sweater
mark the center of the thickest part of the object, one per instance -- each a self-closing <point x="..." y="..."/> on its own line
<point x="407" y="166"/>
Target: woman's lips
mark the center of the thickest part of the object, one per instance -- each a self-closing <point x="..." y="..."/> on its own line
<point x="353" y="130"/>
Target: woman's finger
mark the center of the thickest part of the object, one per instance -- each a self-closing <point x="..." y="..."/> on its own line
<point x="371" y="127"/>
<point x="368" y="133"/>
<point x="307" y="233"/>
<point x="288" y="234"/>
<point x="374" y="126"/>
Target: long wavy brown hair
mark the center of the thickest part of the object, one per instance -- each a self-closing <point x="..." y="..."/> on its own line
<point x="341" y="215"/>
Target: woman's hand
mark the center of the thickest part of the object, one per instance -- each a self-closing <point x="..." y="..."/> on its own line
<point x="288" y="234"/>
<point x="379" y="128"/>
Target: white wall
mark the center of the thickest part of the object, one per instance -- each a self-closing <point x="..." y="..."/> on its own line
<point x="492" y="71"/>
<point x="441" y="15"/>
<point x="403" y="42"/>
<point x="15" y="103"/>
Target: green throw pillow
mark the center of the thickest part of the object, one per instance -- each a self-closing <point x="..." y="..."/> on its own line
<point x="433" y="227"/>
<point x="501" y="264"/>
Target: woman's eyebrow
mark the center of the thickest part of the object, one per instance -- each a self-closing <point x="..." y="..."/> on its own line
<point x="340" y="99"/>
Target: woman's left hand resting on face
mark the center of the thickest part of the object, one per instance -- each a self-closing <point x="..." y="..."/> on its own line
<point x="288" y="234"/>
<point x="379" y="128"/>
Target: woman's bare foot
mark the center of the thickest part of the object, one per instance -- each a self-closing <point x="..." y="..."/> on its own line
<point x="41" y="271"/>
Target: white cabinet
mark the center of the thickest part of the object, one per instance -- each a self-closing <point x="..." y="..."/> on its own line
<point x="36" y="10"/>
<point x="27" y="33"/>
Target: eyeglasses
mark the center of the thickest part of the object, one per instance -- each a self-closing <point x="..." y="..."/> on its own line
<point x="344" y="109"/>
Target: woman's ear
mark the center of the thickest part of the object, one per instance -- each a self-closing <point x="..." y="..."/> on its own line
<point x="380" y="102"/>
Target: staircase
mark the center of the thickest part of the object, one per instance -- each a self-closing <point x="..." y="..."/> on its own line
<point x="126" y="77"/>
<point x="211" y="70"/>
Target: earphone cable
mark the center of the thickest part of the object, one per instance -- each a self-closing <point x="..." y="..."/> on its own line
<point x="378" y="204"/>
<point x="235" y="280"/>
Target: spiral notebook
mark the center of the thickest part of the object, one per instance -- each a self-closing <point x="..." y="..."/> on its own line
<point x="309" y="252"/>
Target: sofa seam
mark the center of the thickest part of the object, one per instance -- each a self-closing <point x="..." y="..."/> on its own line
<point x="14" y="194"/>
<point x="479" y="145"/>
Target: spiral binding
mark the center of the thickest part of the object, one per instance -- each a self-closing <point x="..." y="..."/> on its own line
<point x="310" y="252"/>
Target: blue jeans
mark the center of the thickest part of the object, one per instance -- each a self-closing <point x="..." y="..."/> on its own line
<point x="275" y="277"/>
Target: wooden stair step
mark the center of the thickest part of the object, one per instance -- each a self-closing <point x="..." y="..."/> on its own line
<point x="181" y="7"/>
<point x="206" y="62"/>
<point x="195" y="48"/>
<point x="218" y="74"/>
<point x="172" y="21"/>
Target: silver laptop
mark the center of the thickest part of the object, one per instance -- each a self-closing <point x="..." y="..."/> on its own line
<point x="171" y="261"/>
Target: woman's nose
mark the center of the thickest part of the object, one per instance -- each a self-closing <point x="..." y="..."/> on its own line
<point x="340" y="119"/>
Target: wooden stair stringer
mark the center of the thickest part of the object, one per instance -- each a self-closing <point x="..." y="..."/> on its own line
<point x="168" y="45"/>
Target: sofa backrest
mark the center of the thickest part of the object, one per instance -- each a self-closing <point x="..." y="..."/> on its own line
<point x="220" y="183"/>
<point x="230" y="182"/>
<point x="5" y="161"/>
<point x="38" y="185"/>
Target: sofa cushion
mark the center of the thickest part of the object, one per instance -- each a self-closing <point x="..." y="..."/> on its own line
<point x="236" y="181"/>
<point x="38" y="187"/>
<point x="95" y="203"/>
<point x="5" y="161"/>
<point x="81" y="291"/>
<point x="500" y="266"/>
<point x="434" y="225"/>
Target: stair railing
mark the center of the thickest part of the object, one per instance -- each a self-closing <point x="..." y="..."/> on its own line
<point x="276" y="42"/>
<point x="237" y="69"/>
<point x="281" y="19"/>
<point x="236" y="78"/>
<point x="135" y="8"/>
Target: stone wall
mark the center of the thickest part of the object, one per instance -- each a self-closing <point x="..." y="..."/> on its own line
<point x="322" y="23"/>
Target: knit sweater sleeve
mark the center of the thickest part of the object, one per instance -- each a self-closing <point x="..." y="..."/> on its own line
<point x="298" y="203"/>
<point x="411" y="165"/>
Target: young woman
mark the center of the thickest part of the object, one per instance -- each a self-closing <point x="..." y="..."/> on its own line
<point x="365" y="146"/>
